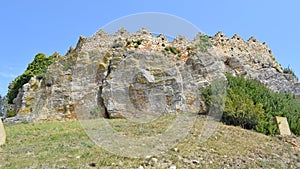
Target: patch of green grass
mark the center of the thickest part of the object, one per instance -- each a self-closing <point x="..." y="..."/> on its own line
<point x="65" y="145"/>
<point x="52" y="145"/>
<point x="131" y="128"/>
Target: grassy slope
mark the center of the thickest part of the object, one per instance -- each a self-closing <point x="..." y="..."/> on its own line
<point x="65" y="145"/>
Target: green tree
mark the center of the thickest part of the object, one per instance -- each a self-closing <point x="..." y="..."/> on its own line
<point x="37" y="67"/>
<point x="240" y="110"/>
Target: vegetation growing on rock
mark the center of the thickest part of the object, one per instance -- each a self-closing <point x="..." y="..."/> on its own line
<point x="172" y="50"/>
<point x="204" y="43"/>
<point x="37" y="67"/>
<point x="290" y="71"/>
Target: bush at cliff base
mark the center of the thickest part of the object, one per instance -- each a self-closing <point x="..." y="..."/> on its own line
<point x="251" y="105"/>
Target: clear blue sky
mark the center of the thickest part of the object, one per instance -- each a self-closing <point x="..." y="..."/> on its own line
<point x="32" y="26"/>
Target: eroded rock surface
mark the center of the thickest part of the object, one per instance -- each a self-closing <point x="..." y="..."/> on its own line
<point x="140" y="75"/>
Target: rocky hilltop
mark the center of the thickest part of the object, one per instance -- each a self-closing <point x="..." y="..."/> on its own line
<point x="122" y="74"/>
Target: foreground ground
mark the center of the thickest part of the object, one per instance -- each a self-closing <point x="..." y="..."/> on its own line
<point x="66" y="145"/>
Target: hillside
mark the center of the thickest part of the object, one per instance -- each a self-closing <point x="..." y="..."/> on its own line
<point x="65" y="145"/>
<point x="146" y="88"/>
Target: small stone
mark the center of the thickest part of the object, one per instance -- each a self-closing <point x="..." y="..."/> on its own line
<point x="212" y="150"/>
<point x="195" y="162"/>
<point x="154" y="160"/>
<point x="92" y="164"/>
<point x="173" y="167"/>
<point x="148" y="156"/>
<point x="203" y="149"/>
<point x="141" y="167"/>
<point x="120" y="163"/>
<point x="186" y="160"/>
<point x="176" y="149"/>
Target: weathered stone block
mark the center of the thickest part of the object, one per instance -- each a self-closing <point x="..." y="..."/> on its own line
<point x="283" y="126"/>
<point x="2" y="134"/>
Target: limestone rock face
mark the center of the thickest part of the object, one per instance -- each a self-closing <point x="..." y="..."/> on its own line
<point x="140" y="75"/>
<point x="48" y="98"/>
<point x="143" y="82"/>
<point x="254" y="60"/>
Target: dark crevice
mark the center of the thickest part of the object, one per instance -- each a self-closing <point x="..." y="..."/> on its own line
<point x="108" y="70"/>
<point x="104" y="111"/>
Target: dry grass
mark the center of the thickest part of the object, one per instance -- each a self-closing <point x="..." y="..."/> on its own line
<point x="65" y="145"/>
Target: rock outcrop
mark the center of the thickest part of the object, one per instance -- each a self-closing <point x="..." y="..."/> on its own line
<point x="122" y="74"/>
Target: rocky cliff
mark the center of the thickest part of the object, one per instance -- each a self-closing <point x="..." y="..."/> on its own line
<point x="123" y="74"/>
